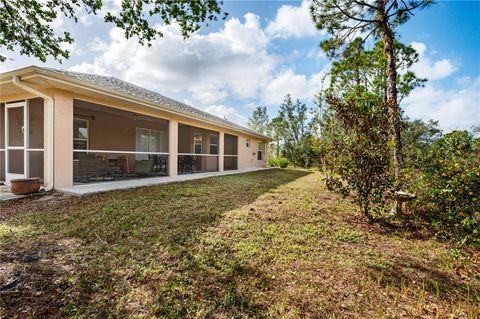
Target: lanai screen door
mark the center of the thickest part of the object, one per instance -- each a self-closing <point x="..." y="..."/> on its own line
<point x="24" y="139"/>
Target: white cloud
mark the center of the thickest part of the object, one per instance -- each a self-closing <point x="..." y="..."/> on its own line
<point x="288" y="82"/>
<point x="232" y="61"/>
<point x="454" y="109"/>
<point x="227" y="112"/>
<point x="316" y="54"/>
<point x="293" y="21"/>
<point x="426" y="68"/>
<point x="206" y="69"/>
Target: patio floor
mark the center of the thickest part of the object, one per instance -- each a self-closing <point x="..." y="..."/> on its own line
<point x="101" y="187"/>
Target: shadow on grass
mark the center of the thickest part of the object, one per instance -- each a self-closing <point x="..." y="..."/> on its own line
<point x="407" y="272"/>
<point x="132" y="252"/>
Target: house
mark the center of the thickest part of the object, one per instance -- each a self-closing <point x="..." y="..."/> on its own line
<point x="71" y="128"/>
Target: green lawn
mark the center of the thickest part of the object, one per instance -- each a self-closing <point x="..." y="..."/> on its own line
<point x="270" y="244"/>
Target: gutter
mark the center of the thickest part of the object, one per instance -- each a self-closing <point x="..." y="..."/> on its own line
<point x="49" y="124"/>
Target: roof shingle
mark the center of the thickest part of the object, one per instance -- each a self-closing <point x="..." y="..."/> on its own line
<point x="113" y="83"/>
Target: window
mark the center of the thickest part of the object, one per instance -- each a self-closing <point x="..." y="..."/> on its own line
<point x="260" y="151"/>
<point x="247" y="143"/>
<point x="213" y="144"/>
<point x="80" y="135"/>
<point x="197" y="143"/>
<point x="148" y="140"/>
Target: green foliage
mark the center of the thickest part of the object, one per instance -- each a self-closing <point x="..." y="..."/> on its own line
<point x="344" y="20"/>
<point x="292" y="132"/>
<point x="271" y="162"/>
<point x="28" y="25"/>
<point x="350" y="22"/>
<point x="282" y="162"/>
<point x="447" y="183"/>
<point x="356" y="148"/>
<point x="355" y="136"/>
<point x="259" y="120"/>
<point x="417" y="137"/>
<point x="278" y="162"/>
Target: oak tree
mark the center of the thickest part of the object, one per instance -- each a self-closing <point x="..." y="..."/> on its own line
<point x="28" y="25"/>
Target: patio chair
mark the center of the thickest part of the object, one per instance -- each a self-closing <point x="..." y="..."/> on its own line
<point x="196" y="161"/>
<point x="159" y="163"/>
<point x="101" y="166"/>
<point x="87" y="166"/>
<point x="187" y="164"/>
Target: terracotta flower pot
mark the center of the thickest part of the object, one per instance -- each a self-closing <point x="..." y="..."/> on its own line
<point x="23" y="186"/>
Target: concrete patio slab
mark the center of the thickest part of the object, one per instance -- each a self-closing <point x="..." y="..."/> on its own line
<point x="7" y="195"/>
<point x="102" y="187"/>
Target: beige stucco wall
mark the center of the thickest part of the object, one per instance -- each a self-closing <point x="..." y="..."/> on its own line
<point x="63" y="139"/>
<point x="113" y="131"/>
<point x="248" y="155"/>
<point x="63" y="132"/>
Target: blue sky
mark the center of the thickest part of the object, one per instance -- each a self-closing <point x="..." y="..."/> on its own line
<point x="266" y="49"/>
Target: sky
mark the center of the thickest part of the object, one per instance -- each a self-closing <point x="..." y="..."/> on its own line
<point x="266" y="49"/>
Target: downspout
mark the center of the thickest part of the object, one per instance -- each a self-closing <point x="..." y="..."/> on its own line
<point x="49" y="124"/>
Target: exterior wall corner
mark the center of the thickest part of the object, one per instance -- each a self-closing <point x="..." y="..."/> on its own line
<point x="173" y="147"/>
<point x="63" y="140"/>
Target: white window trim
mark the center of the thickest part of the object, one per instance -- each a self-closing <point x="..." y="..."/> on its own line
<point x="149" y="130"/>
<point x="196" y="154"/>
<point x="214" y="144"/>
<point x="88" y="132"/>
<point x="195" y="143"/>
<point x="260" y="150"/>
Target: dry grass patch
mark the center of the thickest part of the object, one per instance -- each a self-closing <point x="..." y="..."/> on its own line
<point x="271" y="244"/>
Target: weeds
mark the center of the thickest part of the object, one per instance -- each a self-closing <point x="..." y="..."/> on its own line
<point x="272" y="244"/>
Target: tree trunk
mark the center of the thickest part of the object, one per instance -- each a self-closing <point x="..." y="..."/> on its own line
<point x="392" y="103"/>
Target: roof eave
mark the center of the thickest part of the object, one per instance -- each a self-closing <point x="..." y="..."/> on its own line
<point x="7" y="76"/>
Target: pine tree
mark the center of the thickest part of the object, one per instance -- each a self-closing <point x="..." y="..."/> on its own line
<point x="259" y="120"/>
<point x="345" y="20"/>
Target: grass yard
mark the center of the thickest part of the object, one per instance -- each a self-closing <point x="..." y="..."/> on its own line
<point x="270" y="244"/>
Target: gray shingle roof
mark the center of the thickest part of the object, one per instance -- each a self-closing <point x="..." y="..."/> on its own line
<point x="113" y="83"/>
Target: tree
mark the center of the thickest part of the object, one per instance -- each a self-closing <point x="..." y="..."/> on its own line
<point x="292" y="128"/>
<point x="274" y="130"/>
<point x="344" y="20"/>
<point x="447" y="183"/>
<point x="28" y="25"/>
<point x="259" y="120"/>
<point x="355" y="122"/>
<point x="418" y="136"/>
<point x="355" y="128"/>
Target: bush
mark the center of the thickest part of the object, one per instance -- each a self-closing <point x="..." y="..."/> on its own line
<point x="271" y="162"/>
<point x="282" y="162"/>
<point x="279" y="162"/>
<point x="448" y="186"/>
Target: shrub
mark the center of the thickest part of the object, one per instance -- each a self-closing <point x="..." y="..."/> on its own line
<point x="278" y="162"/>
<point x="282" y="162"/>
<point x="357" y="151"/>
<point x="448" y="186"/>
<point x="272" y="162"/>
